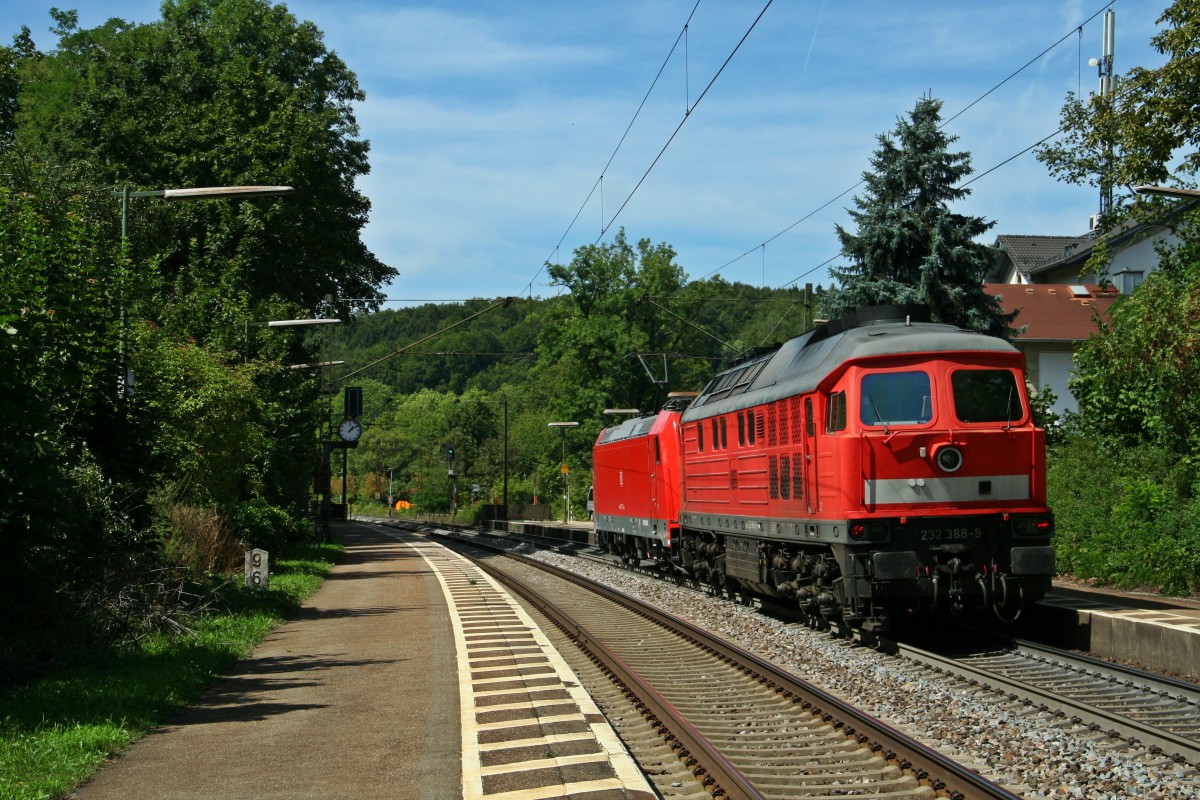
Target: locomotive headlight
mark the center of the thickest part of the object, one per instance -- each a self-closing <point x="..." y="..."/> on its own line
<point x="948" y="458"/>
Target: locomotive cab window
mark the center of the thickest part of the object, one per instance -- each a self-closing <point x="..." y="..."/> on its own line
<point x="835" y="419"/>
<point x="986" y="395"/>
<point x="895" y="398"/>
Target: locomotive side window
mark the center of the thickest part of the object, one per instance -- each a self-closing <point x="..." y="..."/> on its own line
<point x="750" y="425"/>
<point x="808" y="416"/>
<point x="836" y="418"/>
<point x="724" y="441"/>
<point x="741" y="429"/>
<point x="700" y="437"/>
<point x="986" y="395"/>
<point x="895" y="398"/>
<point x="716" y="438"/>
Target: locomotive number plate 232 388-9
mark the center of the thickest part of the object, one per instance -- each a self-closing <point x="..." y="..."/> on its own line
<point x="952" y="533"/>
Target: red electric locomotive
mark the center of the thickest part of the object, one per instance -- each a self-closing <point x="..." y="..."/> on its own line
<point x="874" y="469"/>
<point x="636" y="484"/>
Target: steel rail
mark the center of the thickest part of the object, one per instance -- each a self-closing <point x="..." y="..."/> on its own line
<point x="1112" y="723"/>
<point x="1185" y="691"/>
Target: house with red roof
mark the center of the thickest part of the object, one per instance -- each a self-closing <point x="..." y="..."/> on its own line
<point x="1055" y="318"/>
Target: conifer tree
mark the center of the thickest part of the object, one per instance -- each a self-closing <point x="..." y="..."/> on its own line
<point x="909" y="246"/>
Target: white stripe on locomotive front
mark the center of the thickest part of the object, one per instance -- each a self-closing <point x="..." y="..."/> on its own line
<point x="905" y="491"/>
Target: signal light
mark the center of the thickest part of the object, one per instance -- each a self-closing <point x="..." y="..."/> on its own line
<point x="1033" y="526"/>
<point x="868" y="531"/>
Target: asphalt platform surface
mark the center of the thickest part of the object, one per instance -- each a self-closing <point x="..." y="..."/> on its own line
<point x="354" y="698"/>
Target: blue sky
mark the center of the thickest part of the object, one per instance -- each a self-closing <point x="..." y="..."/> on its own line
<point x="491" y="122"/>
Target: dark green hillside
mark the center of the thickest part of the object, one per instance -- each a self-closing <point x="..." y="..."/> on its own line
<point x="495" y="349"/>
<point x="509" y="345"/>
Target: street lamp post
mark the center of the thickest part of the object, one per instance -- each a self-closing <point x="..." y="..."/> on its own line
<point x="566" y="471"/>
<point x="391" y="493"/>
<point x="284" y="323"/>
<point x="125" y="382"/>
<point x="1178" y="192"/>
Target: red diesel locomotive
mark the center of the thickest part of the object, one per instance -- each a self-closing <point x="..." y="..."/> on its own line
<point x="873" y="470"/>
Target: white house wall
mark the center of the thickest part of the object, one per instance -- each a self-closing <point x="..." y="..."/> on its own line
<point x="1051" y="369"/>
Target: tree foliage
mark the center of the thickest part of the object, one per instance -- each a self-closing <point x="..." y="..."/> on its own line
<point x="1125" y="484"/>
<point x="593" y="342"/>
<point x="909" y="246"/>
<point x="215" y="93"/>
<point x="1138" y="380"/>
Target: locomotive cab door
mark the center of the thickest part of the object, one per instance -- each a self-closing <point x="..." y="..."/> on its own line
<point x="810" y="457"/>
<point x="655" y="459"/>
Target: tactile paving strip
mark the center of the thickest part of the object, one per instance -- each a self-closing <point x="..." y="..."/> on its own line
<point x="529" y="730"/>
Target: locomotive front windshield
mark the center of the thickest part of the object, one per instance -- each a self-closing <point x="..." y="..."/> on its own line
<point x="986" y="395"/>
<point x="896" y="398"/>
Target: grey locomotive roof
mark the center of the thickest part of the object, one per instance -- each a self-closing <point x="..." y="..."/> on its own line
<point x="638" y="426"/>
<point x="801" y="364"/>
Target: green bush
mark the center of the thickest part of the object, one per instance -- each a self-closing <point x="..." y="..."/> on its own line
<point x="264" y="526"/>
<point x="1126" y="516"/>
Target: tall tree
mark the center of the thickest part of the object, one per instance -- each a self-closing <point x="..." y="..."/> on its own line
<point x="595" y="340"/>
<point x="909" y="246"/>
<point x="217" y="93"/>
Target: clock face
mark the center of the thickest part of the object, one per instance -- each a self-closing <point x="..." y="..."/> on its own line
<point x="349" y="430"/>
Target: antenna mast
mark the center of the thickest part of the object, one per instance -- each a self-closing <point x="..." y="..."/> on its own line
<point x="1107" y="84"/>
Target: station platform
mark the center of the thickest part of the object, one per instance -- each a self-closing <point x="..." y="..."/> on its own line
<point x="409" y="674"/>
<point x="1157" y="633"/>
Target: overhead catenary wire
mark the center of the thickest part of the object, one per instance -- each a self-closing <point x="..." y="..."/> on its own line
<point x="600" y="181"/>
<point x="682" y="36"/>
<point x="683" y="121"/>
<point x="1074" y="31"/>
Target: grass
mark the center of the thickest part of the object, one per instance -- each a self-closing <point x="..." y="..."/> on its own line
<point x="55" y="732"/>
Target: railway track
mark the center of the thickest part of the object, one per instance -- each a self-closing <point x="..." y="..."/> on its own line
<point x="741" y="724"/>
<point x="1145" y="710"/>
